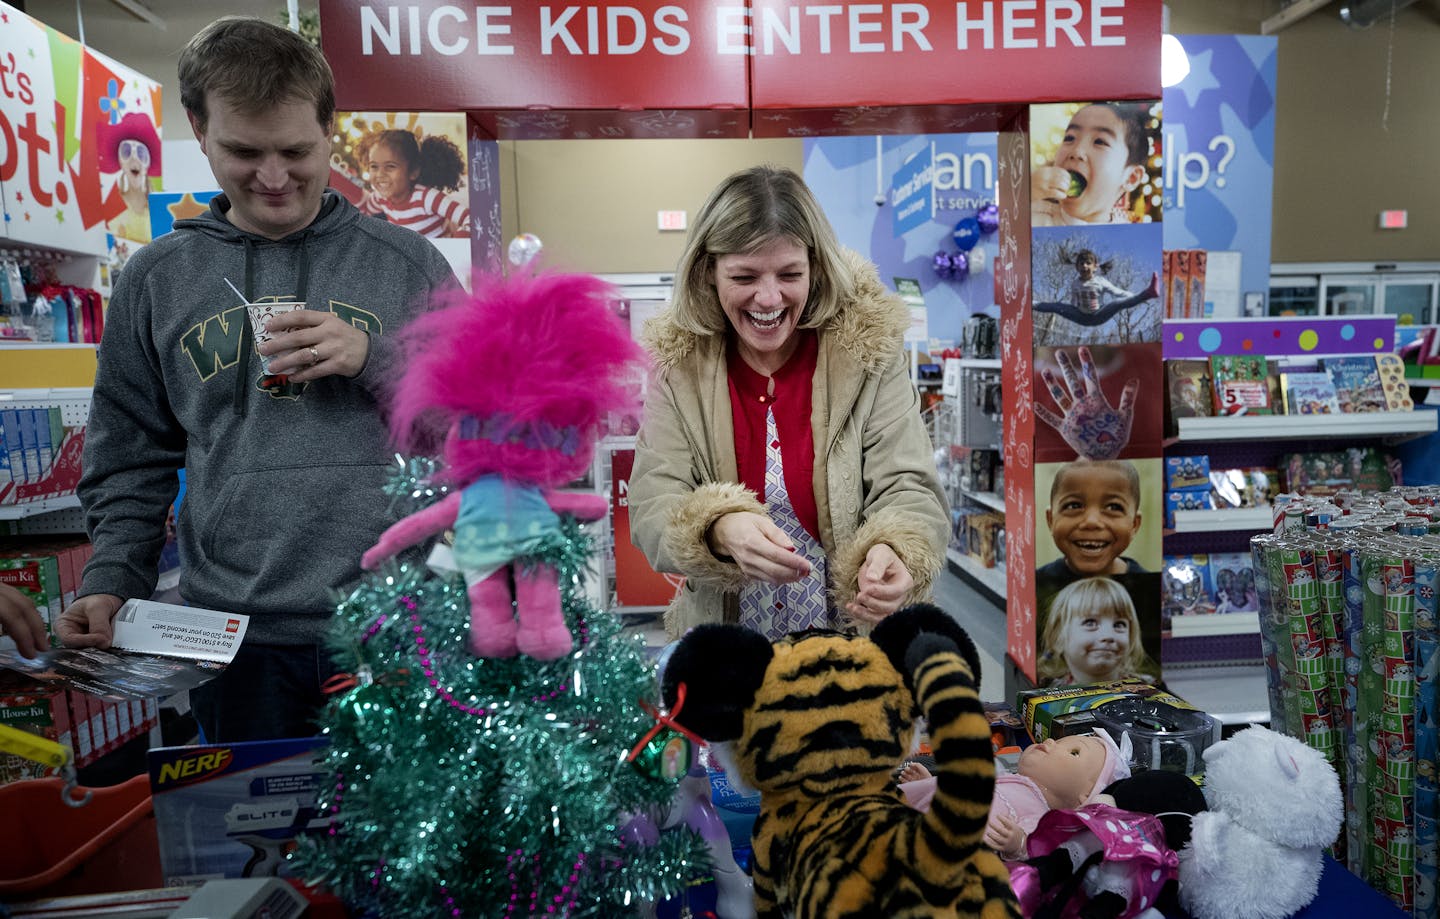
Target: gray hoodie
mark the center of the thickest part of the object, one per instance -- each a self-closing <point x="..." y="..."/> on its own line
<point x="283" y="481"/>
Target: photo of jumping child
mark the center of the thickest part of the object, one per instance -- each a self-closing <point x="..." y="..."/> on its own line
<point x="1095" y="163"/>
<point x="413" y="182"/>
<point x="1096" y="286"/>
<point x="1092" y="635"/>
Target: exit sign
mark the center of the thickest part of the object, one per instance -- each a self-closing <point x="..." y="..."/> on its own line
<point x="1393" y="220"/>
<point x="672" y="220"/>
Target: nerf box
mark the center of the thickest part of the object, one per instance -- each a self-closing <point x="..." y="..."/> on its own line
<point x="233" y="810"/>
<point x="1066" y="710"/>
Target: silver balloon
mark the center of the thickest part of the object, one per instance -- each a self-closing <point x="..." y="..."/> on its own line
<point x="524" y="248"/>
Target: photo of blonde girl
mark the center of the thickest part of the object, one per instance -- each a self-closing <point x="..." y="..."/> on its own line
<point x="1092" y="635"/>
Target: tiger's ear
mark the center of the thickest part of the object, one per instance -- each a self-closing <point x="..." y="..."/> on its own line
<point x="896" y="631"/>
<point x="722" y="667"/>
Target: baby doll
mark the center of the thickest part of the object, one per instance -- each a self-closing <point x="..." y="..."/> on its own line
<point x="1063" y="773"/>
<point x="522" y="374"/>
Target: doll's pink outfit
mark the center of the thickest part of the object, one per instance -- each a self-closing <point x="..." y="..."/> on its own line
<point x="1136" y="863"/>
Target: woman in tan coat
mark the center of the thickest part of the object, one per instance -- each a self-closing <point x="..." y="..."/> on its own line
<point x="782" y="466"/>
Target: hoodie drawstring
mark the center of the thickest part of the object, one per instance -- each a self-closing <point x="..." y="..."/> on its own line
<point x="247" y="337"/>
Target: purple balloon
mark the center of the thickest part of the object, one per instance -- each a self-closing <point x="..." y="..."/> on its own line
<point x="960" y="265"/>
<point x="942" y="264"/>
<point x="989" y="218"/>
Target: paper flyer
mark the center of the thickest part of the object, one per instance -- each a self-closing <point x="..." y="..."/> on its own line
<point x="158" y="649"/>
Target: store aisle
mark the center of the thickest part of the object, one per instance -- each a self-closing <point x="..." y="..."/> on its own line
<point x="986" y="624"/>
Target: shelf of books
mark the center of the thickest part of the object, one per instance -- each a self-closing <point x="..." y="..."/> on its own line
<point x="992" y="579"/>
<point x="1393" y="426"/>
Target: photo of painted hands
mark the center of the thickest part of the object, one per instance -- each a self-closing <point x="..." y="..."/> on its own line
<point x="1086" y="421"/>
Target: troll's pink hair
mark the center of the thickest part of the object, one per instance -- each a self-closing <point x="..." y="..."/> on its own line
<point x="528" y="348"/>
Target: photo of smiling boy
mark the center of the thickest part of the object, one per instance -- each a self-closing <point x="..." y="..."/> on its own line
<point x="1093" y="515"/>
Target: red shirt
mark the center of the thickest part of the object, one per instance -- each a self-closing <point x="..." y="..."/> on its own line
<point x="748" y="405"/>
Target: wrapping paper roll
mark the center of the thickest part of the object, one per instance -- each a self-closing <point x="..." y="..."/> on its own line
<point x="1305" y="619"/>
<point x="1275" y="632"/>
<point x="1427" y="738"/>
<point x="1397" y="736"/>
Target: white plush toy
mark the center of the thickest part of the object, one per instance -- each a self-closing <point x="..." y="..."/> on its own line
<point x="1274" y="804"/>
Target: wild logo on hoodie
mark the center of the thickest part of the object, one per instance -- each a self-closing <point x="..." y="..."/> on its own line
<point x="214" y="343"/>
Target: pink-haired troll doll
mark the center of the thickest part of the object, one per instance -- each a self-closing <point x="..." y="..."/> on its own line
<point x="521" y="373"/>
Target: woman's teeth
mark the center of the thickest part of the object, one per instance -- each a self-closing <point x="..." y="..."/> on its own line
<point x="766" y="320"/>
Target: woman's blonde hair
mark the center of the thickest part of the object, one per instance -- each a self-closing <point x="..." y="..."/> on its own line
<point x="1088" y="595"/>
<point x="748" y="209"/>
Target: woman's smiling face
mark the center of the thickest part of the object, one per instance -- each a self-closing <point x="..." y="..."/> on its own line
<point x="763" y="294"/>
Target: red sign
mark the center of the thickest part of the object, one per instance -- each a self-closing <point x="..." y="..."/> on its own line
<point x="801" y="67"/>
<point x="645" y="54"/>
<point x="958" y="52"/>
<point x="636" y="583"/>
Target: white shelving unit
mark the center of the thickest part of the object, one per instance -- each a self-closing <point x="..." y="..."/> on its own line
<point x="991" y="578"/>
<point x="991" y="363"/>
<point x="987" y="498"/>
<point x="36" y="508"/>
<point x="1215" y="624"/>
<point x="60" y="514"/>
<point x="1224" y="521"/>
<point x="1391" y="426"/>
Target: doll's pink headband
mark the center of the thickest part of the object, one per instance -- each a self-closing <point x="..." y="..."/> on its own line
<point x="537" y="434"/>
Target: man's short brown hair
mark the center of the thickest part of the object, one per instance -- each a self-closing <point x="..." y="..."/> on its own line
<point x="254" y="65"/>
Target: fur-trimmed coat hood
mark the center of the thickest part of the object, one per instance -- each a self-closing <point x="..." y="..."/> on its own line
<point x="874" y="475"/>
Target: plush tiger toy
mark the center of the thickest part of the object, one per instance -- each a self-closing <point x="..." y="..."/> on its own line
<point x="819" y="722"/>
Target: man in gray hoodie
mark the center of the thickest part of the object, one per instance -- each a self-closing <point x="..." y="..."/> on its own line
<point x="284" y="470"/>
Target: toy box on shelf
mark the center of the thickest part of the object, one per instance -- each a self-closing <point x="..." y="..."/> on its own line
<point x="233" y="810"/>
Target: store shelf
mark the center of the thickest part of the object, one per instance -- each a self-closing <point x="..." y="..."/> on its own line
<point x="36" y="508"/>
<point x="992" y="579"/>
<point x="1422" y="382"/>
<point x="1233" y="694"/>
<point x="981" y="363"/>
<point x="987" y="498"/>
<point x="1202" y="626"/>
<point x="1394" y="426"/>
<point x="1251" y="519"/>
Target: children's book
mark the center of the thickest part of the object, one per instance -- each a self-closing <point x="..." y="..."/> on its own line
<point x="1189" y="385"/>
<point x="1309" y="394"/>
<point x="1357" y="383"/>
<point x="1241" y="384"/>
<point x="1392" y="380"/>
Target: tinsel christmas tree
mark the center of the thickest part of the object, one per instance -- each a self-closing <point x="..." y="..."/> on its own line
<point x="465" y="786"/>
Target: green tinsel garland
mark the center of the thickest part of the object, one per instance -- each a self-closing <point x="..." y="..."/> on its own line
<point x="463" y="786"/>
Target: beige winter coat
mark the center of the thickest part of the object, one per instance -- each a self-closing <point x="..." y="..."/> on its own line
<point x="874" y="475"/>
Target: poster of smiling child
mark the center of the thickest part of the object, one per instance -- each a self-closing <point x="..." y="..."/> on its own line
<point x="1095" y="162"/>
